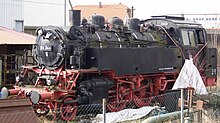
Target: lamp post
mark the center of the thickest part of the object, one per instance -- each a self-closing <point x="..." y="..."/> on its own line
<point x="64" y="12"/>
<point x="182" y="106"/>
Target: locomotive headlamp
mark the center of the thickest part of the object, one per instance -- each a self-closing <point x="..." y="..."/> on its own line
<point x="50" y="81"/>
<point x="39" y="32"/>
<point x="17" y="79"/>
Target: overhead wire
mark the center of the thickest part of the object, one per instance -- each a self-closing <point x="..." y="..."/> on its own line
<point x="39" y="2"/>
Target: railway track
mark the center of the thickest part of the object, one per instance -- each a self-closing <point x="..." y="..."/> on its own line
<point x="17" y="111"/>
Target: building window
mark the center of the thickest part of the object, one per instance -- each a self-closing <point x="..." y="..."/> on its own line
<point x="19" y="25"/>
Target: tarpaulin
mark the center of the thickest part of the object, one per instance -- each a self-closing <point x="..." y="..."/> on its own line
<point x="190" y="77"/>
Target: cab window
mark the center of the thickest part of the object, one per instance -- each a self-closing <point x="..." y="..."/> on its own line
<point x="200" y="36"/>
<point x="188" y="38"/>
<point x="192" y="38"/>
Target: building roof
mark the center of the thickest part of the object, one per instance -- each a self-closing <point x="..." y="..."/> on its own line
<point x="213" y="31"/>
<point x="8" y="36"/>
<point x="108" y="11"/>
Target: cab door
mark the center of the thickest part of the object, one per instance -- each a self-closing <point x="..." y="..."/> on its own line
<point x="194" y="43"/>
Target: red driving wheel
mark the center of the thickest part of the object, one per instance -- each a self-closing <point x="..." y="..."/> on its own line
<point x="117" y="103"/>
<point x="68" y="110"/>
<point x="143" y="97"/>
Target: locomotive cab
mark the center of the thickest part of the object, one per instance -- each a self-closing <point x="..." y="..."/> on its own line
<point x="182" y="33"/>
<point x="191" y="38"/>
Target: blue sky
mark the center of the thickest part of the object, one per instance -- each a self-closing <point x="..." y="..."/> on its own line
<point x="51" y="12"/>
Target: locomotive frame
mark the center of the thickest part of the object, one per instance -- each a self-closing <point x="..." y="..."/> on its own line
<point x="127" y="88"/>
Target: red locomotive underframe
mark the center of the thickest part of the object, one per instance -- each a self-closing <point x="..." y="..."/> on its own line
<point x="132" y="87"/>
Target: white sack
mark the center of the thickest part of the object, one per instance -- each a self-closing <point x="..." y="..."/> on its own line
<point x="190" y="77"/>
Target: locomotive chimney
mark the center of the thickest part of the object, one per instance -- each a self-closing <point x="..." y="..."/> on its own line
<point x="74" y="17"/>
<point x="100" y="4"/>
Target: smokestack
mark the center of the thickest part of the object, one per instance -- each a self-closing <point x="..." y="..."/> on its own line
<point x="100" y="4"/>
<point x="74" y="16"/>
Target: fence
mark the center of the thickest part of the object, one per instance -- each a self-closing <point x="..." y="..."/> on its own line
<point x="130" y="110"/>
<point x="154" y="108"/>
<point x="210" y="111"/>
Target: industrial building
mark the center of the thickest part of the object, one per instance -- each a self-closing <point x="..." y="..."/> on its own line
<point x="108" y="11"/>
<point x="12" y="16"/>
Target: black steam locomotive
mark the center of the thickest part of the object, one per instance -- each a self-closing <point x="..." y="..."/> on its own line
<point x="107" y="49"/>
<point x="95" y="60"/>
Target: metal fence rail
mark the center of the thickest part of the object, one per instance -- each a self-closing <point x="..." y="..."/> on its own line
<point x="161" y="108"/>
<point x="165" y="103"/>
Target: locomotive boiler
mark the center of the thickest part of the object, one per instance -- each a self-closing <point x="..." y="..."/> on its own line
<point x="84" y="64"/>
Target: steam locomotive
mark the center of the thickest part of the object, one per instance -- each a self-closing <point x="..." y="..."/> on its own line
<point x="84" y="64"/>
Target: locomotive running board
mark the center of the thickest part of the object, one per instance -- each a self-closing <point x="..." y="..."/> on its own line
<point x="17" y="110"/>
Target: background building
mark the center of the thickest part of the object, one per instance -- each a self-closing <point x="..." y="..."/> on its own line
<point x="15" y="51"/>
<point x="11" y="12"/>
<point x="108" y="11"/>
<point x="208" y="21"/>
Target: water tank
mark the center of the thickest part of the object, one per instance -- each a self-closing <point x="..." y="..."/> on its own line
<point x="116" y="21"/>
<point x="98" y="20"/>
<point x="134" y="24"/>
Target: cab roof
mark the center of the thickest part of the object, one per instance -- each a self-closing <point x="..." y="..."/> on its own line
<point x="172" y="21"/>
